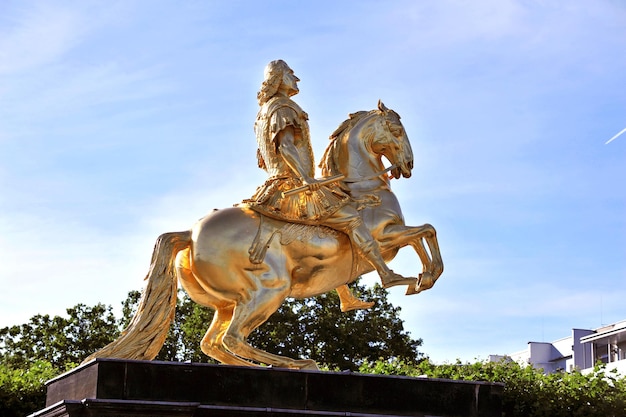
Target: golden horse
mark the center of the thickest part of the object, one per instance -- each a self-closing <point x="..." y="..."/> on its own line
<point x="215" y="260"/>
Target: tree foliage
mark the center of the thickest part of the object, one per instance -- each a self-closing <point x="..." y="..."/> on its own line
<point x="41" y="349"/>
<point x="527" y="391"/>
<point x="313" y="328"/>
<point x="60" y="341"/>
<point x="22" y="391"/>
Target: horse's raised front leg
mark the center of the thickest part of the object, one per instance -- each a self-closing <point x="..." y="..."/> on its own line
<point x="430" y="275"/>
<point x="399" y="235"/>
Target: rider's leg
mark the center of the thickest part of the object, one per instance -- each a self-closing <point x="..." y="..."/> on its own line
<point x="348" y="220"/>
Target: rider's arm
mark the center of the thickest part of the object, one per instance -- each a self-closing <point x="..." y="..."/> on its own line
<point x="289" y="152"/>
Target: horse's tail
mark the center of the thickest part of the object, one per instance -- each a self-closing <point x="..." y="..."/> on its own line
<point x="147" y="331"/>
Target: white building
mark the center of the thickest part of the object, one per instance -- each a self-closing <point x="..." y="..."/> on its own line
<point x="581" y="350"/>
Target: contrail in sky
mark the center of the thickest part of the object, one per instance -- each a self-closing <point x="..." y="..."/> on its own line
<point x="614" y="137"/>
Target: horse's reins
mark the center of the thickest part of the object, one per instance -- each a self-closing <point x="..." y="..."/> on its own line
<point x="371" y="177"/>
<point x="335" y="178"/>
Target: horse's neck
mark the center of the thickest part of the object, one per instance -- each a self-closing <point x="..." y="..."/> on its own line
<point x="361" y="166"/>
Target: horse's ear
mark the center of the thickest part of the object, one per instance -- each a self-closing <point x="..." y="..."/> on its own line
<point x="382" y="107"/>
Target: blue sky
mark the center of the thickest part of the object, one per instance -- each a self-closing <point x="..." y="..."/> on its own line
<point x="122" y="120"/>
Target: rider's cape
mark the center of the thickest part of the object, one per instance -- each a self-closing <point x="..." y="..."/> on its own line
<point x="305" y="207"/>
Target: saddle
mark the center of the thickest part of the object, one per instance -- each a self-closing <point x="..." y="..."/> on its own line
<point x="289" y="232"/>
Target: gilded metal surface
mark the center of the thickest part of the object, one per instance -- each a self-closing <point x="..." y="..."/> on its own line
<point x="244" y="261"/>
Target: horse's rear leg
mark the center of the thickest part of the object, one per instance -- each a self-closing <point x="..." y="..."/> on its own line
<point x="213" y="341"/>
<point x="251" y="315"/>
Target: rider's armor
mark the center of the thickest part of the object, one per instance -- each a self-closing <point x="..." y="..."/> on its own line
<point x="305" y="207"/>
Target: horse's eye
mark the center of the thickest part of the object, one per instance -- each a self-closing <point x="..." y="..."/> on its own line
<point x="396" y="131"/>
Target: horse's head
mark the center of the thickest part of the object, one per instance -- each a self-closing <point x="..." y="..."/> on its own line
<point x="376" y="133"/>
<point x="390" y="140"/>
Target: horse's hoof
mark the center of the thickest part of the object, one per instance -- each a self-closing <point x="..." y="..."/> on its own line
<point x="425" y="282"/>
<point x="411" y="289"/>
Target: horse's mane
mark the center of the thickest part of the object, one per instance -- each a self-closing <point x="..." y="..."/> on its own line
<point x="328" y="162"/>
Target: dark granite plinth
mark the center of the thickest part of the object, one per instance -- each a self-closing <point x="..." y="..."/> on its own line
<point x="111" y="387"/>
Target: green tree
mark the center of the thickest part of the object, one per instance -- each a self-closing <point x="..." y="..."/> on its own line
<point x="22" y="391"/>
<point x="61" y="341"/>
<point x="527" y="391"/>
<point x="41" y="349"/>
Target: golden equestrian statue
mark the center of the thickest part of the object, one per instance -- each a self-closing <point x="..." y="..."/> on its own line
<point x="296" y="237"/>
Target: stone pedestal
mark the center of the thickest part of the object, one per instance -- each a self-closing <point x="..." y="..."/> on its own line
<point x="112" y="387"/>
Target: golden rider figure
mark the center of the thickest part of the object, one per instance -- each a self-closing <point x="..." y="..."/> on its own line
<point x="285" y="153"/>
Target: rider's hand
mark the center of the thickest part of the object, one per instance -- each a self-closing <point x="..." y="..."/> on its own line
<point x="312" y="183"/>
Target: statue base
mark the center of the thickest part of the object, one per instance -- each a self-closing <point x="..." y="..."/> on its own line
<point x="115" y="387"/>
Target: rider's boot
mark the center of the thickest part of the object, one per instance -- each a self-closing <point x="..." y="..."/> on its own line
<point x="349" y="302"/>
